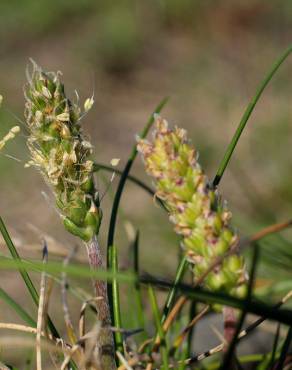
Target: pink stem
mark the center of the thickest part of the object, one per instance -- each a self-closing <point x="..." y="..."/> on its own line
<point x="105" y="340"/>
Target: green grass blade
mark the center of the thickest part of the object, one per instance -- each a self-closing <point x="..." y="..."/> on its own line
<point x="247" y="114"/>
<point x="159" y="328"/>
<point x="29" y="284"/>
<point x="33" y="292"/>
<point x="56" y="268"/>
<point x="17" y="308"/>
<point x="275" y="345"/>
<point x="171" y="295"/>
<point x="137" y="286"/>
<point x="118" y="195"/>
<point x="190" y="339"/>
<point x="284" y="351"/>
<point x="255" y="306"/>
<point x="201" y="295"/>
<point x="116" y="302"/>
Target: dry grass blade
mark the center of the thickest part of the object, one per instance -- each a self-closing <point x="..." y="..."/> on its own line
<point x="64" y="287"/>
<point x="82" y="314"/>
<point x="241" y="335"/>
<point x="91" y="356"/>
<point x="179" y="340"/>
<point x="41" y="311"/>
<point x="27" y="342"/>
<point x="123" y="361"/>
<point x="18" y="327"/>
<point x="170" y="318"/>
<point x="3" y="366"/>
<point x="182" y="300"/>
<point x="69" y="356"/>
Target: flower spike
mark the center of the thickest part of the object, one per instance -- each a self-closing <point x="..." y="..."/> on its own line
<point x="59" y="149"/>
<point x="194" y="207"/>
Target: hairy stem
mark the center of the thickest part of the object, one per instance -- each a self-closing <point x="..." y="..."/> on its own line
<point x="105" y="342"/>
<point x="229" y="330"/>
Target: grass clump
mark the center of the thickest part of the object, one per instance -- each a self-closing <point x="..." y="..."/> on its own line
<point x="61" y="152"/>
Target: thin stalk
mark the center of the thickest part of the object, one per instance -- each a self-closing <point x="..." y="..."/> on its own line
<point x="230" y="354"/>
<point x="29" y="284"/>
<point x="41" y="312"/>
<point x="284" y="351"/>
<point x="159" y="328"/>
<point x="118" y="195"/>
<point x="254" y="306"/>
<point x="99" y="166"/>
<point x="191" y="334"/>
<point x="275" y="345"/>
<point x="245" y="359"/>
<point x="17" y="308"/>
<point x="137" y="287"/>
<point x="247" y="114"/>
<point x="116" y="302"/>
<point x="105" y="342"/>
<point x="181" y="337"/>
<point x="171" y="295"/>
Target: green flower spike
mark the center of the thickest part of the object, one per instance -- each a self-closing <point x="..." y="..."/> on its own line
<point x="194" y="208"/>
<point x="62" y="154"/>
<point x="59" y="149"/>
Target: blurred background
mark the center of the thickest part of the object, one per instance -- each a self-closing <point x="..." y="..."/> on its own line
<point x="209" y="58"/>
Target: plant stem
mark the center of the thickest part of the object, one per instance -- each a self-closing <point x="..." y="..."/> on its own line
<point x="105" y="340"/>
<point x="119" y="192"/>
<point x="116" y="303"/>
<point x="172" y="294"/>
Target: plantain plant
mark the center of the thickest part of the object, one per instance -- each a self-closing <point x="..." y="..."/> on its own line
<point x="62" y="154"/>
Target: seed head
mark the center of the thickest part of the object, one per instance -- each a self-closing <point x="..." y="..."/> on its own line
<point x="194" y="208"/>
<point x="59" y="150"/>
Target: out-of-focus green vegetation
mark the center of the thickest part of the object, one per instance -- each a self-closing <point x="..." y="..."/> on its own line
<point x="207" y="56"/>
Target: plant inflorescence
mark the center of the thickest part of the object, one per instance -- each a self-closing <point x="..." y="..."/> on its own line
<point x="62" y="153"/>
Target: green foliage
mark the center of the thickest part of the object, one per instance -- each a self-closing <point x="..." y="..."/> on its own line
<point x="54" y="126"/>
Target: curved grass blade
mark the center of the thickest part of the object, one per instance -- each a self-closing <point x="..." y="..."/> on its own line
<point x="17" y="308"/>
<point x="247" y="114"/>
<point x="29" y="284"/>
<point x="118" y="195"/>
<point x="124" y="177"/>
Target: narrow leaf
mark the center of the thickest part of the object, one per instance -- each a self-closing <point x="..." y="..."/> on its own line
<point x="17" y="308"/>
<point x="247" y="114"/>
<point x="29" y="284"/>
